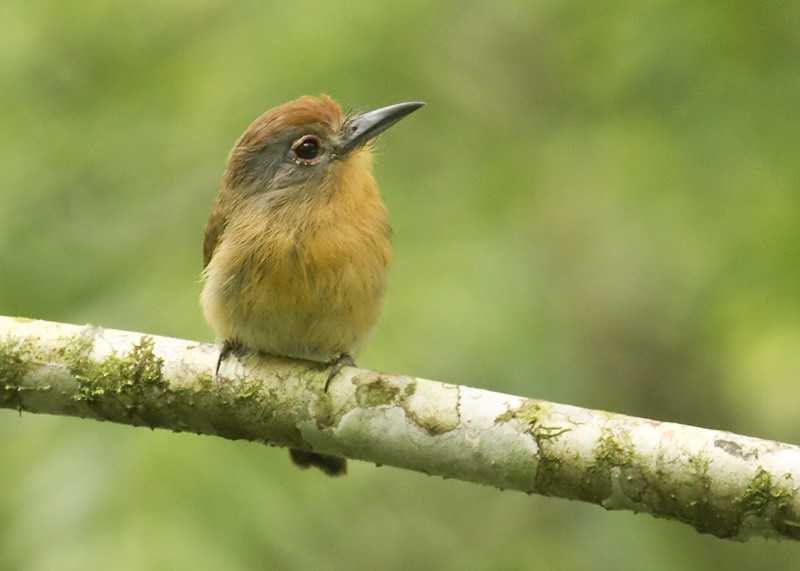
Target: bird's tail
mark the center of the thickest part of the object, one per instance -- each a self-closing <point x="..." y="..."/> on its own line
<point x="331" y="465"/>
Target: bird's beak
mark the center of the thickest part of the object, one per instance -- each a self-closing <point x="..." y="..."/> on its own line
<point x="364" y="127"/>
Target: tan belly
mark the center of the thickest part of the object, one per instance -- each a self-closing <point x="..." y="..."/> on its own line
<point x="304" y="307"/>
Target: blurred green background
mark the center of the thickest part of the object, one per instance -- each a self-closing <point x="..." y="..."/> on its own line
<point x="599" y="206"/>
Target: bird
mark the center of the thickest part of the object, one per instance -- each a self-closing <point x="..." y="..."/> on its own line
<point x="298" y="242"/>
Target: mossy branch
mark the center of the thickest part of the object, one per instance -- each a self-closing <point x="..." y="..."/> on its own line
<point x="720" y="483"/>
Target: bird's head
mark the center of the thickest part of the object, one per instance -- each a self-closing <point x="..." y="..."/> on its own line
<point x="297" y="144"/>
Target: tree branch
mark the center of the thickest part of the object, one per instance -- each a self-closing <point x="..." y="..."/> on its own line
<point x="720" y="483"/>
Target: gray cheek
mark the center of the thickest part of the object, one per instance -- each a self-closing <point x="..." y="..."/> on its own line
<point x="259" y="172"/>
<point x="291" y="174"/>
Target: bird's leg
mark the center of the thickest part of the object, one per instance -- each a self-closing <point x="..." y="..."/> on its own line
<point x="343" y="360"/>
<point x="229" y="346"/>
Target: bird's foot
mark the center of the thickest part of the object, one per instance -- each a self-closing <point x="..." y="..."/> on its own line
<point x="229" y="347"/>
<point x="343" y="360"/>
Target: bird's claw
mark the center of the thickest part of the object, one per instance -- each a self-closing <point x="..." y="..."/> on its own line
<point x="336" y="365"/>
<point x="229" y="347"/>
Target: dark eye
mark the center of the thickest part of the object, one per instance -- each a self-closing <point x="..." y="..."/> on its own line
<point x="307" y="148"/>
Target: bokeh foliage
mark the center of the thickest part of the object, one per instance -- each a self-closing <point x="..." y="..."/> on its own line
<point x="599" y="206"/>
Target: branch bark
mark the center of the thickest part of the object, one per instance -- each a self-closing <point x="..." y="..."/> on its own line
<point x="725" y="484"/>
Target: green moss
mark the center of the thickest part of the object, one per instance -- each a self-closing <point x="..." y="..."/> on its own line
<point x="548" y="432"/>
<point x="613" y="450"/>
<point x="553" y="475"/>
<point x="377" y="392"/>
<point x="325" y="414"/>
<point x="699" y="464"/>
<point x="14" y="365"/>
<point x="205" y="382"/>
<point x="75" y="351"/>
<point x="617" y="477"/>
<point x="761" y="497"/>
<point x="137" y="372"/>
<point x="433" y="424"/>
<point x="248" y="390"/>
<point x="528" y="412"/>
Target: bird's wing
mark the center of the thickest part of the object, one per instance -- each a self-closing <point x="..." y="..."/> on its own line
<point x="214" y="228"/>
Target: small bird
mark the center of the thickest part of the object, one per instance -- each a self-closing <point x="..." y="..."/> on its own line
<point x="298" y="241"/>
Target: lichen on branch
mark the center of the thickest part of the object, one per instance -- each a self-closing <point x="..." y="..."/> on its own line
<point x="728" y="485"/>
